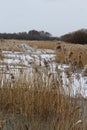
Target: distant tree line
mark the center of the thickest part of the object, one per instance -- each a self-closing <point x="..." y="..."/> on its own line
<point x="31" y="35"/>
<point x="79" y="36"/>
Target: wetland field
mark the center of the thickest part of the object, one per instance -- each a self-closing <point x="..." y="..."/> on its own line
<point x="43" y="85"/>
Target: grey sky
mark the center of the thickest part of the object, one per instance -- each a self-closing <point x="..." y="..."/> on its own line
<point x="55" y="16"/>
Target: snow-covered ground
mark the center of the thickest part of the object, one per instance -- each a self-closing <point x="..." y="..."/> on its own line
<point x="30" y="57"/>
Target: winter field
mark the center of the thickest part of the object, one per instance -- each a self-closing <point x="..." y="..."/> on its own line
<point x="43" y="85"/>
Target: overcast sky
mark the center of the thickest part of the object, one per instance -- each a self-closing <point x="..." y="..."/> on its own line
<point x="55" y="16"/>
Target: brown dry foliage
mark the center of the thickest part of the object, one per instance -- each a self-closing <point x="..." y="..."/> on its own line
<point x="77" y="50"/>
<point x="36" y="101"/>
<point x="40" y="104"/>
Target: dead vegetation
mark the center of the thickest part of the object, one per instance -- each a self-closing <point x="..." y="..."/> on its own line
<point x="36" y="99"/>
<point x="71" y="53"/>
<point x="40" y="100"/>
<point x="14" y="45"/>
<point x="63" y="50"/>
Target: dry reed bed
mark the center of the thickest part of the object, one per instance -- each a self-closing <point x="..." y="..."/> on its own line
<point x="61" y="55"/>
<point x="14" y="45"/>
<point x="72" y="52"/>
<point x="41" y="101"/>
<point x="29" y="102"/>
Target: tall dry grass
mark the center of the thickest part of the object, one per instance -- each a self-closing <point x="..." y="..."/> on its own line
<point x="61" y="55"/>
<point x="79" y="54"/>
<point x="38" y="101"/>
<point x="14" y="45"/>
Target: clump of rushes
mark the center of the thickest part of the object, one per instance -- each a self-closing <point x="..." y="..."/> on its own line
<point x="1" y="55"/>
<point x="71" y="51"/>
<point x="84" y="72"/>
<point x="80" y="63"/>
